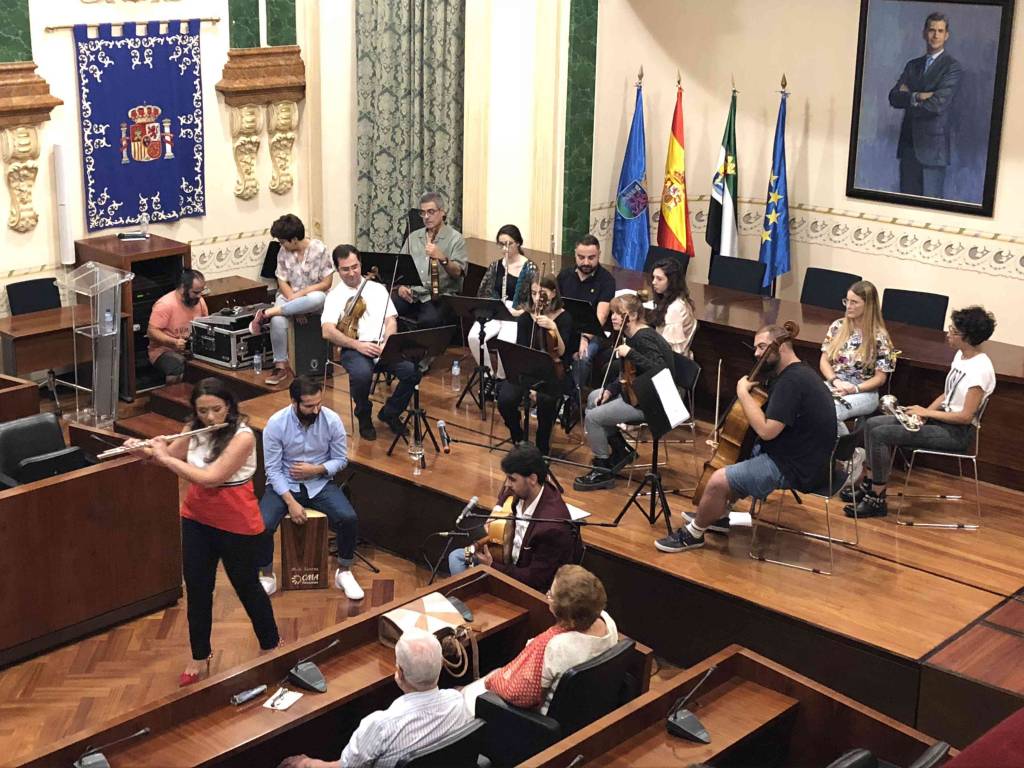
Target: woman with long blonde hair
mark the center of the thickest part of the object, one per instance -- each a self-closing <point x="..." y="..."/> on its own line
<point x="855" y="369"/>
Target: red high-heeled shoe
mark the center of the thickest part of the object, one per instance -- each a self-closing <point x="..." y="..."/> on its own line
<point x="190" y="678"/>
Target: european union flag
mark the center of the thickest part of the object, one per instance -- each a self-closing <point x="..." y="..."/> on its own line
<point x="775" y="233"/>
<point x="632" y="234"/>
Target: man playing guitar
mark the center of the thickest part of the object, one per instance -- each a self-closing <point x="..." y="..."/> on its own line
<point x="796" y="434"/>
<point x="538" y="548"/>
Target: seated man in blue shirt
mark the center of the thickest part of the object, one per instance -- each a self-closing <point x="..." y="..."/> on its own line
<point x="304" y="446"/>
<point x="423" y="715"/>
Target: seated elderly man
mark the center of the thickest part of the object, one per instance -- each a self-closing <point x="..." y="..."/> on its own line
<point x="421" y="716"/>
<point x="582" y="631"/>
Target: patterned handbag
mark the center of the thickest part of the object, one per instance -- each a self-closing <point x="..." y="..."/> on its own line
<point x="434" y="613"/>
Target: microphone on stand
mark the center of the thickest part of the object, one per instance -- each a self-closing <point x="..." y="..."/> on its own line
<point x="446" y="440"/>
<point x="93" y="757"/>
<point x="470" y="506"/>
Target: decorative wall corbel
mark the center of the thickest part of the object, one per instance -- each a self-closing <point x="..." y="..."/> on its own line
<point x="246" y="127"/>
<point x="254" y="78"/>
<point x="282" y="120"/>
<point x="25" y="102"/>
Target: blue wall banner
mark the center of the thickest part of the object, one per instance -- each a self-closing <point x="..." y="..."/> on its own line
<point x="141" y="111"/>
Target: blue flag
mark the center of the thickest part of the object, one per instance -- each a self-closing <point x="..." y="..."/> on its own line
<point x="775" y="233"/>
<point x="632" y="235"/>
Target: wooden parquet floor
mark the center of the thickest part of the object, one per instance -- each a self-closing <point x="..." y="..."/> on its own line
<point x="114" y="672"/>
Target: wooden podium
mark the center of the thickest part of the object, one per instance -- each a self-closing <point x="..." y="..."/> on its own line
<point x="304" y="552"/>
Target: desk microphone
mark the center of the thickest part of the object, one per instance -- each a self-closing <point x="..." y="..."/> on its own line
<point x="93" y="757"/>
<point x="446" y="440"/>
<point x="578" y="760"/>
<point x="470" y="506"/>
<point x="307" y="675"/>
<point x="682" y="722"/>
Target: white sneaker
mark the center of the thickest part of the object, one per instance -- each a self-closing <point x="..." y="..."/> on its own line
<point x="269" y="583"/>
<point x="344" y="580"/>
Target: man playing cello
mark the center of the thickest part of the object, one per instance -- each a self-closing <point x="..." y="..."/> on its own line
<point x="796" y="432"/>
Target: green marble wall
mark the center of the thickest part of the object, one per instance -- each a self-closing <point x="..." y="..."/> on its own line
<point x="15" y="39"/>
<point x="281" y="22"/>
<point x="579" y="124"/>
<point x="244" y="23"/>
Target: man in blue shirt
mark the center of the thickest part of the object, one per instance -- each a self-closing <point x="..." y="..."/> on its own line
<point x="304" y="446"/>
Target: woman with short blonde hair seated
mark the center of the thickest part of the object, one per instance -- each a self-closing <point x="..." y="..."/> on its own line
<point x="582" y="631"/>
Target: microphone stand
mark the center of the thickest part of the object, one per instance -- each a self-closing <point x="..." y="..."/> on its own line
<point x="449" y="540"/>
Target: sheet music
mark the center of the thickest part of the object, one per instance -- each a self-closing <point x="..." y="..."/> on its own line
<point x="671" y="402"/>
<point x="575" y="513"/>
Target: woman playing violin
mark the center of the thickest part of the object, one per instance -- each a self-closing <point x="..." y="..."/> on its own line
<point x="646" y="351"/>
<point x="545" y="325"/>
<point x="796" y="433"/>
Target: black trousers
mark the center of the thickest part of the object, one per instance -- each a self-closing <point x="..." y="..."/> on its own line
<point x="509" y="399"/>
<point x="202" y="547"/>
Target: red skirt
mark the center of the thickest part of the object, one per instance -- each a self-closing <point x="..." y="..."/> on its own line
<point x="231" y="508"/>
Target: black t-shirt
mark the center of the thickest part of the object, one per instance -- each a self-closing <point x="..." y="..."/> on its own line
<point x="600" y="286"/>
<point x="799" y="399"/>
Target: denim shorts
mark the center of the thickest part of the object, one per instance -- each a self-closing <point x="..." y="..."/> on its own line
<point x="756" y="477"/>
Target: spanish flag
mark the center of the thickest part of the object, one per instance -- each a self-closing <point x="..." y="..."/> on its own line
<point x="674" y="226"/>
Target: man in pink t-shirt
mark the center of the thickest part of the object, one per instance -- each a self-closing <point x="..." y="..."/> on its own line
<point x="170" y="324"/>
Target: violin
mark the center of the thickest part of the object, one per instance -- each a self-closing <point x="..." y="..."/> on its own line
<point x="550" y="339"/>
<point x="733" y="428"/>
<point x="355" y="307"/>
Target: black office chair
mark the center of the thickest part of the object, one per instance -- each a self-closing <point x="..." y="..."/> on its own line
<point x="33" y="448"/>
<point x="656" y="253"/>
<point x="927" y="310"/>
<point x="269" y="269"/>
<point x="33" y="295"/>
<point x="459" y="749"/>
<point x="826" y="287"/>
<point x="737" y="274"/>
<point x="585" y="693"/>
<point x="932" y="757"/>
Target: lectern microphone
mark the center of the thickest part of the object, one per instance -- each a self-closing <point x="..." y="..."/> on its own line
<point x="307" y="675"/>
<point x="682" y="722"/>
<point x="93" y="757"/>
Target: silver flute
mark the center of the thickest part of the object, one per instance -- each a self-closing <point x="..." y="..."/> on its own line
<point x="121" y="450"/>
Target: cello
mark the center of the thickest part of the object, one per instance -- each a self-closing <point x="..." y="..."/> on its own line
<point x="733" y="427"/>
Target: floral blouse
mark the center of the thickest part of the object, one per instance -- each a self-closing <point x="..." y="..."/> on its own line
<point x="305" y="269"/>
<point x="845" y="363"/>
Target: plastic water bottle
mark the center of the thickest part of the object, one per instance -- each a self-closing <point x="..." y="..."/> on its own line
<point x="144" y="224"/>
<point x="456" y="375"/>
<point x="108" y="323"/>
<point x="257" y="362"/>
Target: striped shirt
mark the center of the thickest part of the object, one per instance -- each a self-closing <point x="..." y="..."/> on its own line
<point x="414" y="721"/>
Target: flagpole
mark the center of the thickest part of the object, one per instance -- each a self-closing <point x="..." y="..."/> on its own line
<point x="784" y="94"/>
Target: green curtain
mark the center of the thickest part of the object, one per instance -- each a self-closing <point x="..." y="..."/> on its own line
<point x="409" y="79"/>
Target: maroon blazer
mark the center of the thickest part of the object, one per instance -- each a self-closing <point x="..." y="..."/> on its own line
<point x="546" y="546"/>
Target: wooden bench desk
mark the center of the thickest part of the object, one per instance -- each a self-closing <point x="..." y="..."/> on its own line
<point x="755" y="711"/>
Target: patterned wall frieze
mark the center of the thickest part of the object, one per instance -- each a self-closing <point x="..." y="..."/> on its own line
<point x="951" y="247"/>
<point x="241" y="252"/>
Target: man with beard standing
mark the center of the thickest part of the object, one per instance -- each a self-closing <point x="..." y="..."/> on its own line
<point x="304" y="446"/>
<point x="170" y="324"/>
<point x="796" y="433"/>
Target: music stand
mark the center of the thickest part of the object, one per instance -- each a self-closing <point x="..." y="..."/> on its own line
<point x="531" y="369"/>
<point x="413" y="346"/>
<point x="397" y="268"/>
<point x="649" y="402"/>
<point x="482" y="311"/>
<point x="584" y="317"/>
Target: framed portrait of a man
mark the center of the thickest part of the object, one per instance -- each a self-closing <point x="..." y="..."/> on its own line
<point x="928" y="102"/>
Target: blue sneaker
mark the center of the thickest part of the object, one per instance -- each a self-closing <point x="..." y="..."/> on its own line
<point x="680" y="541"/>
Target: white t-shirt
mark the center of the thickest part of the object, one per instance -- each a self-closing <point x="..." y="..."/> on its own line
<point x="964" y="374"/>
<point x="377" y="301"/>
